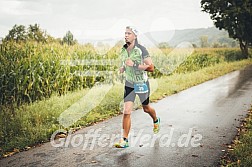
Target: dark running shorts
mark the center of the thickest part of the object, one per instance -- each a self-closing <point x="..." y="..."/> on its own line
<point x="130" y="95"/>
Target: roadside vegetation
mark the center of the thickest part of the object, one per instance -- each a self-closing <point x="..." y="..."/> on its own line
<point x="240" y="151"/>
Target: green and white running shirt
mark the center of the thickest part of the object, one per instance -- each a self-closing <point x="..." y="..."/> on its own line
<point x="138" y="54"/>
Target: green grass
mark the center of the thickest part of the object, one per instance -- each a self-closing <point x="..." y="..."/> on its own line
<point x="240" y="152"/>
<point x="179" y="82"/>
<point x="34" y="123"/>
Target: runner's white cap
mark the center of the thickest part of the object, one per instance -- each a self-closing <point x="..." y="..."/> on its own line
<point x="133" y="29"/>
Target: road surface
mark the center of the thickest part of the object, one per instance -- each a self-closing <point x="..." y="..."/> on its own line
<point x="196" y="124"/>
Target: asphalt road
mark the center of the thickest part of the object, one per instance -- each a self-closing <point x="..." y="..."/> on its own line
<point x="196" y="124"/>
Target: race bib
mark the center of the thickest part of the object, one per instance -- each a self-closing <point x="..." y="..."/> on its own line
<point x="140" y="88"/>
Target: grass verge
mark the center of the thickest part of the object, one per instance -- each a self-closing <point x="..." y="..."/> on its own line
<point x="240" y="151"/>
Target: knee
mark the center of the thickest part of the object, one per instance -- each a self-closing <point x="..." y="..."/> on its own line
<point x="147" y="109"/>
<point x="126" y="112"/>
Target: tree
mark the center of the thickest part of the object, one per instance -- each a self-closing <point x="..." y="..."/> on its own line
<point x="35" y="33"/>
<point x="216" y="45"/>
<point x="194" y="45"/>
<point x="204" y="41"/>
<point x="163" y="45"/>
<point x="32" y="33"/>
<point x="235" y="16"/>
<point x="69" y="39"/>
<point x="17" y="33"/>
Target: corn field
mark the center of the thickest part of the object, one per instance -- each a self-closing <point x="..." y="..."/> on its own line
<point x="32" y="71"/>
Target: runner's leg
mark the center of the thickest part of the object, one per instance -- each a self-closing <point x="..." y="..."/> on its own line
<point x="126" y="123"/>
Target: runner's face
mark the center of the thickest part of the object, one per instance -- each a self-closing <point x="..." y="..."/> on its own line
<point x="129" y="36"/>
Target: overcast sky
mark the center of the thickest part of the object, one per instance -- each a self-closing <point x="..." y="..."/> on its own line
<point x="101" y="19"/>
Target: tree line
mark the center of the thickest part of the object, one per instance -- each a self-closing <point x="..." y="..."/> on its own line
<point x="235" y="16"/>
<point x="20" y="33"/>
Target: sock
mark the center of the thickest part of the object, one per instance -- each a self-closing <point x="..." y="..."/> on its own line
<point x="156" y="121"/>
<point x="125" y="139"/>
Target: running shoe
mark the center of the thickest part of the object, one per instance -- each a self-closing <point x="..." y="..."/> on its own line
<point x="156" y="126"/>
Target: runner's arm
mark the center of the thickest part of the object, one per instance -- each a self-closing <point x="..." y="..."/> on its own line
<point x="147" y="66"/>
